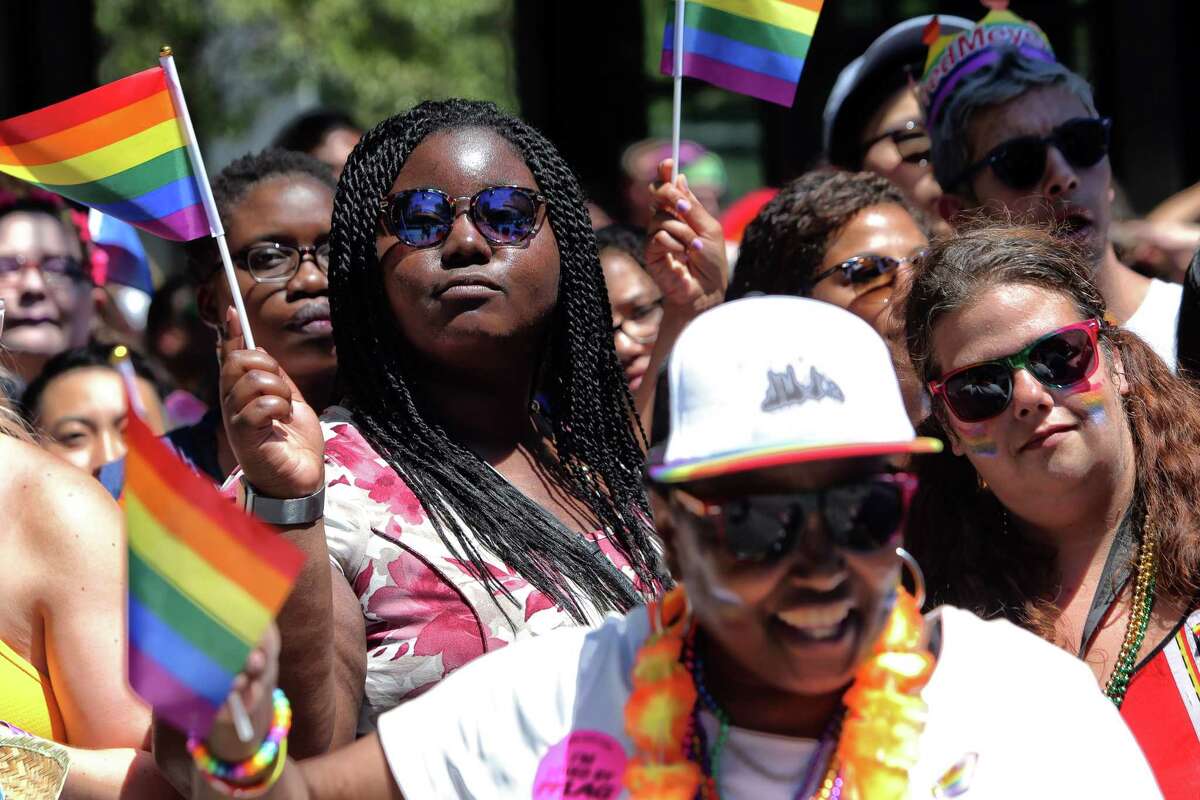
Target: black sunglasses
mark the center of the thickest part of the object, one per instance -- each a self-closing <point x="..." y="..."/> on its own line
<point x="1057" y="360"/>
<point x="860" y="516"/>
<point x="1021" y="162"/>
<point x="507" y="216"/>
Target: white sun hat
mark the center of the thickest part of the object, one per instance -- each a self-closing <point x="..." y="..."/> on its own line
<point x="772" y="380"/>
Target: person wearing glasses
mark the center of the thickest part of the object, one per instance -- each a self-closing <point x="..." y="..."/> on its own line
<point x="45" y="284"/>
<point x="844" y="238"/>
<point x="872" y="120"/>
<point x="276" y="207"/>
<point x="461" y="512"/>
<point x="1013" y="131"/>
<point x="636" y="301"/>
<point x="790" y="661"/>
<point x="1070" y="502"/>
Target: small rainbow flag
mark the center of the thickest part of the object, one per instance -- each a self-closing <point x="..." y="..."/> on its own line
<point x="754" y="47"/>
<point x="120" y="149"/>
<point x="205" y="581"/>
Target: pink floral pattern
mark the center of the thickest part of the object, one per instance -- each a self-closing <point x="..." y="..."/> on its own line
<point x="426" y="610"/>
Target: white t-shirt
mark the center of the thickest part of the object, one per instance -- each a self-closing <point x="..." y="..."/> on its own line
<point x="1157" y="318"/>
<point x="1009" y="716"/>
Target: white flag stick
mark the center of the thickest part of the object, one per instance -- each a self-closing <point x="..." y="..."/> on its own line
<point x="167" y="60"/>
<point x="677" y="75"/>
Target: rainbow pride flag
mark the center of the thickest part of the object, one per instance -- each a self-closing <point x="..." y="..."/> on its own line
<point x="754" y="47"/>
<point x="120" y="149"/>
<point x="205" y="581"/>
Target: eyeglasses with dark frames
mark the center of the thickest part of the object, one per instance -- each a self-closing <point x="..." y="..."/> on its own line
<point x="272" y="262"/>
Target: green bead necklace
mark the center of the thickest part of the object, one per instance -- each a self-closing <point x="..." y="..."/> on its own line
<point x="1139" y="618"/>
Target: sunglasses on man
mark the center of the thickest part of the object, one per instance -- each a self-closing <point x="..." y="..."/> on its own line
<point x="1020" y="163"/>
<point x="507" y="216"/>
<point x="1058" y="360"/>
<point x="860" y="516"/>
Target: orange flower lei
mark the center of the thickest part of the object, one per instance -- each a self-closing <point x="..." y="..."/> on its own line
<point x="884" y="711"/>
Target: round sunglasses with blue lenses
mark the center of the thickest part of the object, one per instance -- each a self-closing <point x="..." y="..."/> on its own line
<point x="507" y="216"/>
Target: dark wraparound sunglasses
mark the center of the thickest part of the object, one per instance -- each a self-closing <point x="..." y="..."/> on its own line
<point x="860" y="516"/>
<point x="1058" y="360"/>
<point x="1021" y="162"/>
<point x="507" y="216"/>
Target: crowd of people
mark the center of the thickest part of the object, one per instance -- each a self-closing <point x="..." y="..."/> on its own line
<point x="888" y="489"/>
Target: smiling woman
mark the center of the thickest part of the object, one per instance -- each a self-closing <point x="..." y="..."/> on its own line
<point x="1070" y="502"/>
<point x="78" y="405"/>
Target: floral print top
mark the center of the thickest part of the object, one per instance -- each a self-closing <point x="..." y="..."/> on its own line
<point x="427" y="612"/>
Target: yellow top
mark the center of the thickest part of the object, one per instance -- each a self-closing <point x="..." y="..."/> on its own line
<point x="26" y="699"/>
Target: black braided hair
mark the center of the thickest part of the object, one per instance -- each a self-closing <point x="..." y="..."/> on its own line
<point x="593" y="421"/>
<point x="233" y="183"/>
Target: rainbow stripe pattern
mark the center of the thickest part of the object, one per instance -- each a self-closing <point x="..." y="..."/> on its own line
<point x="753" y="47"/>
<point x="205" y="581"/>
<point x="119" y="148"/>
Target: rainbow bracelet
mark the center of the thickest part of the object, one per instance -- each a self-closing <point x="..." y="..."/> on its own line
<point x="254" y="774"/>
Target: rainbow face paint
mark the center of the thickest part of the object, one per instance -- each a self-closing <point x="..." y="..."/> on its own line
<point x="1091" y="394"/>
<point x="976" y="439"/>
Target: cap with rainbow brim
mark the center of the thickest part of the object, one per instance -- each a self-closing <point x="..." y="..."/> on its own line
<point x="954" y="56"/>
<point x="782" y="455"/>
<point x="768" y="381"/>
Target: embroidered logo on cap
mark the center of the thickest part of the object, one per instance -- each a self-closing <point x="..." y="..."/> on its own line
<point x="785" y="389"/>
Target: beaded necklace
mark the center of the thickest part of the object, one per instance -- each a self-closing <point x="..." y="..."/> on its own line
<point x="1139" y="617"/>
<point x="830" y="788"/>
<point x="869" y="752"/>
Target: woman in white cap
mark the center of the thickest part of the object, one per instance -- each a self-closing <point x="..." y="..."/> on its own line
<point x="790" y="662"/>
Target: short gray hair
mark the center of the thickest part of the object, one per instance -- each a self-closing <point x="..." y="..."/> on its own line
<point x="1010" y="76"/>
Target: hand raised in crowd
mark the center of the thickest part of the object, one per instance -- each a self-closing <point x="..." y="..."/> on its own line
<point x="685" y="247"/>
<point x="273" y="432"/>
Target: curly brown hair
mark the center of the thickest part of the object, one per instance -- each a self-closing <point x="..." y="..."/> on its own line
<point x="955" y="528"/>
<point x="784" y="245"/>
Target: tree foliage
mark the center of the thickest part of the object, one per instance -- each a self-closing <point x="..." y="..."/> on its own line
<point x="370" y="57"/>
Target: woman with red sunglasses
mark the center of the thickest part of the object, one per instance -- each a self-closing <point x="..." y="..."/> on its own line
<point x="1070" y="503"/>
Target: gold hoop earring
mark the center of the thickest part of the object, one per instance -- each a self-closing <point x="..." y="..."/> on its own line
<point x="907" y="559"/>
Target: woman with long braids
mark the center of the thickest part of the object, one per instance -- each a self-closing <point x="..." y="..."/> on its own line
<point x="1071" y="502"/>
<point x="482" y="478"/>
<point x="790" y="662"/>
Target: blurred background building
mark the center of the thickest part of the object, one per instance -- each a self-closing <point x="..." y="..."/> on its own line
<point x="586" y="73"/>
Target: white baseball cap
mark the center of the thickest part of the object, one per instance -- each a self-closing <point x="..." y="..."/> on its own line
<point x="772" y="380"/>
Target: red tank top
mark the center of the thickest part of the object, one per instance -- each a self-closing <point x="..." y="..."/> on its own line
<point x="1162" y="708"/>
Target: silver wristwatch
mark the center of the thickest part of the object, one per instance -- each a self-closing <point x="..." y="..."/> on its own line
<point x="294" y="511"/>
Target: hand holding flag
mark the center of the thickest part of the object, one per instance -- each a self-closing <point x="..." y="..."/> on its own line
<point x="275" y="435"/>
<point x="205" y="581"/>
<point x="685" y="246"/>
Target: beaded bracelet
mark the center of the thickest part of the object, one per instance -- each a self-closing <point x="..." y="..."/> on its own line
<point x="227" y="775"/>
<point x="244" y="791"/>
